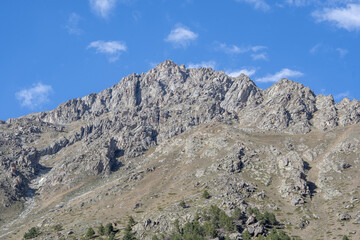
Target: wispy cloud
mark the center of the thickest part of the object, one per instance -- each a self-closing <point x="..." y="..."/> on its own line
<point x="35" y="96"/>
<point x="259" y="56"/>
<point x="322" y="48"/>
<point x="284" y="73"/>
<point x="257" y="52"/>
<point x="102" y="8"/>
<point x="257" y="4"/>
<point x="299" y="3"/>
<point x="72" y="25"/>
<point x="136" y="15"/>
<point x="343" y="17"/>
<point x="210" y="64"/>
<point x="181" y="36"/>
<point x="234" y="49"/>
<point x="112" y="49"/>
<point x="342" y="52"/>
<point x="315" y="48"/>
<point x="342" y="95"/>
<point x="247" y="71"/>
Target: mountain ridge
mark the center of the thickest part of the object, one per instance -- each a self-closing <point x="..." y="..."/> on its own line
<point x="227" y="123"/>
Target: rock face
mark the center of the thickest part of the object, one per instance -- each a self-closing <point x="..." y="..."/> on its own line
<point x="97" y="134"/>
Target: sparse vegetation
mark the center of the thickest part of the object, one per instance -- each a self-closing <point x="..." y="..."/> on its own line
<point x="129" y="235"/>
<point x="267" y="218"/>
<point x="90" y="232"/>
<point x="183" y="204"/>
<point x="215" y="223"/>
<point x="32" y="233"/>
<point x="58" y="227"/>
<point x="108" y="229"/>
<point x="101" y="230"/>
<point x="206" y="194"/>
<point x="277" y="235"/>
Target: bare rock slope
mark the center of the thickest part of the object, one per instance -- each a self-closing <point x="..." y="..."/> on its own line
<point x="157" y="138"/>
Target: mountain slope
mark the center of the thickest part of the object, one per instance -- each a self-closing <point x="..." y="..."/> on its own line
<point x="165" y="135"/>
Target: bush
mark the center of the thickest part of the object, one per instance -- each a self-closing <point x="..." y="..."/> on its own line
<point x="108" y="229"/>
<point x="345" y="237"/>
<point x="32" y="233"/>
<point x="101" y="230"/>
<point x="111" y="236"/>
<point x="220" y="219"/>
<point x="268" y="218"/>
<point x="90" y="232"/>
<point x="182" y="204"/>
<point x="58" y="227"/>
<point x="131" y="221"/>
<point x="238" y="214"/>
<point x="210" y="229"/>
<point x="277" y="235"/>
<point x="246" y="235"/>
<point x="206" y="194"/>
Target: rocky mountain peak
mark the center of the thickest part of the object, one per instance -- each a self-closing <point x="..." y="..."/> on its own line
<point x="202" y="123"/>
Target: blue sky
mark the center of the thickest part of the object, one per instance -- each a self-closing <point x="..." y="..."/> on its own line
<point x="53" y="51"/>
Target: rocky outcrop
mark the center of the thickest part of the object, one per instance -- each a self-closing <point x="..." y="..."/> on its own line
<point x="294" y="185"/>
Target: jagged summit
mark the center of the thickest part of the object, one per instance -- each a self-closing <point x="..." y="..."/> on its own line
<point x="285" y="106"/>
<point x="196" y="129"/>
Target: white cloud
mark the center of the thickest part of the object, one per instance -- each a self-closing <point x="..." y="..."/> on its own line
<point x="284" y="73"/>
<point x="322" y="48"/>
<point x="247" y="72"/>
<point x="342" y="52"/>
<point x="210" y="64"/>
<point x="181" y="36"/>
<point x="259" y="56"/>
<point x="112" y="49"/>
<point x="233" y="49"/>
<point x="102" y="7"/>
<point x="347" y="18"/>
<point x="299" y="3"/>
<point x="257" y="4"/>
<point x="73" y="24"/>
<point x="340" y="96"/>
<point x="315" y="48"/>
<point x="34" y="97"/>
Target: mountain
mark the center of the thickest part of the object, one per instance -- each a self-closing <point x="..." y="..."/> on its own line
<point x="150" y="145"/>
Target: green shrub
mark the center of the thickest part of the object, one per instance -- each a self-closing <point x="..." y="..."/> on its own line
<point x="58" y="227"/>
<point x="246" y="235"/>
<point x="345" y="237"/>
<point x="111" y="236"/>
<point x="155" y="238"/>
<point x="267" y="218"/>
<point x="210" y="229"/>
<point x="90" y="232"/>
<point x="206" y="194"/>
<point x="131" y="221"/>
<point x="177" y="226"/>
<point x="277" y="235"/>
<point x="175" y="236"/>
<point x="108" y="229"/>
<point x="32" y="233"/>
<point x="238" y="214"/>
<point x="220" y="219"/>
<point x="182" y="204"/>
<point x="101" y="230"/>
<point x="129" y="236"/>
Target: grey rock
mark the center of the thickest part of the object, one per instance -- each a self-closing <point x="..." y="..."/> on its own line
<point x="344" y="216"/>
